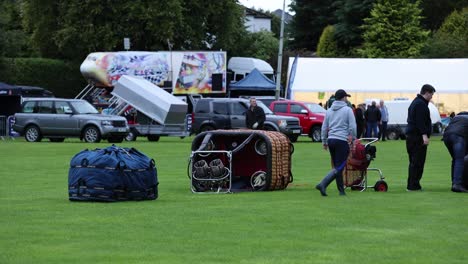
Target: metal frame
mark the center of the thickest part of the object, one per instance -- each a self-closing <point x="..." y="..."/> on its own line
<point x="228" y="176"/>
<point x="363" y="183"/>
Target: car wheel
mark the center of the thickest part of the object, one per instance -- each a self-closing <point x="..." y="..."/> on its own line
<point x="32" y="134"/>
<point x="269" y="128"/>
<point x="153" y="138"/>
<point x="115" y="139"/>
<point x="393" y="134"/>
<point x="92" y="134"/>
<point x="56" y="139"/>
<point x="293" y="138"/>
<point x="437" y="128"/>
<point x="130" y="136"/>
<point x="316" y="134"/>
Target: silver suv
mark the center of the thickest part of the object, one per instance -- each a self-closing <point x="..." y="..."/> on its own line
<point x="56" y="119"/>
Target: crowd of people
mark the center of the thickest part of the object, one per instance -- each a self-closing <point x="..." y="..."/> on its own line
<point x="343" y="124"/>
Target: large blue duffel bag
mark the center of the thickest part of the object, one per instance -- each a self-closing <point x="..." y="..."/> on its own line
<point x="112" y="174"/>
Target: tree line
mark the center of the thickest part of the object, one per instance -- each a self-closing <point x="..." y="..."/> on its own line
<point x="68" y="30"/>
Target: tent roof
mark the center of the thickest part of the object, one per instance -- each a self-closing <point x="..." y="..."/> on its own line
<point x="253" y="82"/>
<point x="380" y="75"/>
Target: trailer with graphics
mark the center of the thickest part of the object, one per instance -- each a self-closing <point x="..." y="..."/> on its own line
<point x="167" y="76"/>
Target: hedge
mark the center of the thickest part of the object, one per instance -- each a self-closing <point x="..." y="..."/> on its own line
<point x="60" y="77"/>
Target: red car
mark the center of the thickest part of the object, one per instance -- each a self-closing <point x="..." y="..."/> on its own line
<point x="310" y="116"/>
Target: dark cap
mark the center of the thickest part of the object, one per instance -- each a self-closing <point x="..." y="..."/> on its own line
<point x="340" y="94"/>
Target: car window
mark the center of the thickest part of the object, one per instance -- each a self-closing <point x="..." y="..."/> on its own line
<point x="282" y="108"/>
<point x="62" y="107"/>
<point x="265" y="108"/>
<point x="202" y="106"/>
<point x="315" y="108"/>
<point x="237" y="108"/>
<point x="220" y="108"/>
<point x="45" y="107"/>
<point x="296" y="109"/>
<point x="83" y="107"/>
<point x="29" y="107"/>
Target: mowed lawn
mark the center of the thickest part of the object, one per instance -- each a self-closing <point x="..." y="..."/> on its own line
<point x="39" y="225"/>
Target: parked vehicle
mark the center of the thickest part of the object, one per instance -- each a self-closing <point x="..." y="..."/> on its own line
<point x="57" y="119"/>
<point x="398" y="115"/>
<point x="229" y="113"/>
<point x="310" y="116"/>
<point x="242" y="66"/>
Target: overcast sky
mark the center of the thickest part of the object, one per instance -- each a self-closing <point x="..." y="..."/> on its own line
<point x="266" y="5"/>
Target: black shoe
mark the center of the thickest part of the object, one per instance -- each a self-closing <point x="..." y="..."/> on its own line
<point x="459" y="188"/>
<point x="321" y="189"/>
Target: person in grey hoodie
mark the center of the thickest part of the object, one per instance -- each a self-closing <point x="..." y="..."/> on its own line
<point x="338" y="130"/>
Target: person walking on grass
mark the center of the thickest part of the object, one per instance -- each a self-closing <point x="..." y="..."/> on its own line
<point x="418" y="133"/>
<point x="338" y="130"/>
<point x="455" y="139"/>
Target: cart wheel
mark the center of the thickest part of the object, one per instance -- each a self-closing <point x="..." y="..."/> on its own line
<point x="381" y="186"/>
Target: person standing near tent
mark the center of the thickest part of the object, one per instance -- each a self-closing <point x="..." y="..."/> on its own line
<point x="417" y="133"/>
<point x="383" y="120"/>
<point x="360" y="121"/>
<point x="456" y="140"/>
<point x="255" y="116"/>
<point x="338" y="130"/>
<point x="372" y="115"/>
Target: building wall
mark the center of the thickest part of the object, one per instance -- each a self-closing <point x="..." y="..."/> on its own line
<point x="257" y="24"/>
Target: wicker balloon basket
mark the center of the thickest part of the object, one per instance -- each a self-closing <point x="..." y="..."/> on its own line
<point x="240" y="160"/>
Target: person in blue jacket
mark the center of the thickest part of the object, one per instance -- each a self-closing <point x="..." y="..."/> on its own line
<point x="418" y="133"/>
<point x="455" y="139"/>
<point x="338" y="130"/>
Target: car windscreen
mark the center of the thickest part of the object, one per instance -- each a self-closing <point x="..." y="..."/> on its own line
<point x="83" y="107"/>
<point x="315" y="108"/>
<point x="265" y="108"/>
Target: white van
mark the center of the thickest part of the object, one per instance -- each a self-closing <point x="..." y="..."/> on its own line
<point x="398" y="115"/>
<point x="242" y="66"/>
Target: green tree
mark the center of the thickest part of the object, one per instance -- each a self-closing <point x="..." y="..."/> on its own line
<point x="451" y="40"/>
<point x="310" y="19"/>
<point x="350" y="16"/>
<point x="13" y="39"/>
<point x="327" y="46"/>
<point x="435" y="11"/>
<point x="264" y="45"/>
<point x="393" y="30"/>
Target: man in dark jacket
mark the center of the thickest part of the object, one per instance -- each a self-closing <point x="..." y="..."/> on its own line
<point x="360" y="121"/>
<point x="255" y="116"/>
<point x="372" y="115"/>
<point x="455" y="139"/>
<point x="417" y="133"/>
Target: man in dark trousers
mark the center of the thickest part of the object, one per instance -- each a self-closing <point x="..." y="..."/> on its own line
<point x="372" y="115"/>
<point x="455" y="139"/>
<point x="417" y="133"/>
<point x="360" y="121"/>
<point x="255" y="116"/>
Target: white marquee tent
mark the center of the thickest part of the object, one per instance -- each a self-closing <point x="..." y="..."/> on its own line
<point x="317" y="78"/>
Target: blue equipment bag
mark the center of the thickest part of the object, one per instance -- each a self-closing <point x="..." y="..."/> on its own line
<point x="112" y="174"/>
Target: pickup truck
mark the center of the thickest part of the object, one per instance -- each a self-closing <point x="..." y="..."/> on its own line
<point x="229" y="113"/>
<point x="310" y="116"/>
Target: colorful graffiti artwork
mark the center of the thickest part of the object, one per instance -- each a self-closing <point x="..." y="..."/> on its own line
<point x="196" y="71"/>
<point x="186" y="72"/>
<point x="105" y="68"/>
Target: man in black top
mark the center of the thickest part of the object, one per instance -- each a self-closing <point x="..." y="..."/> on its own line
<point x="418" y="132"/>
<point x="455" y="139"/>
<point x="255" y="116"/>
<point x="373" y="116"/>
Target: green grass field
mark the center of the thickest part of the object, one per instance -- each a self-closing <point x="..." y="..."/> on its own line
<point x="39" y="225"/>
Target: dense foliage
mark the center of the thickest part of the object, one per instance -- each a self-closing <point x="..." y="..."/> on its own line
<point x="393" y="30"/>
